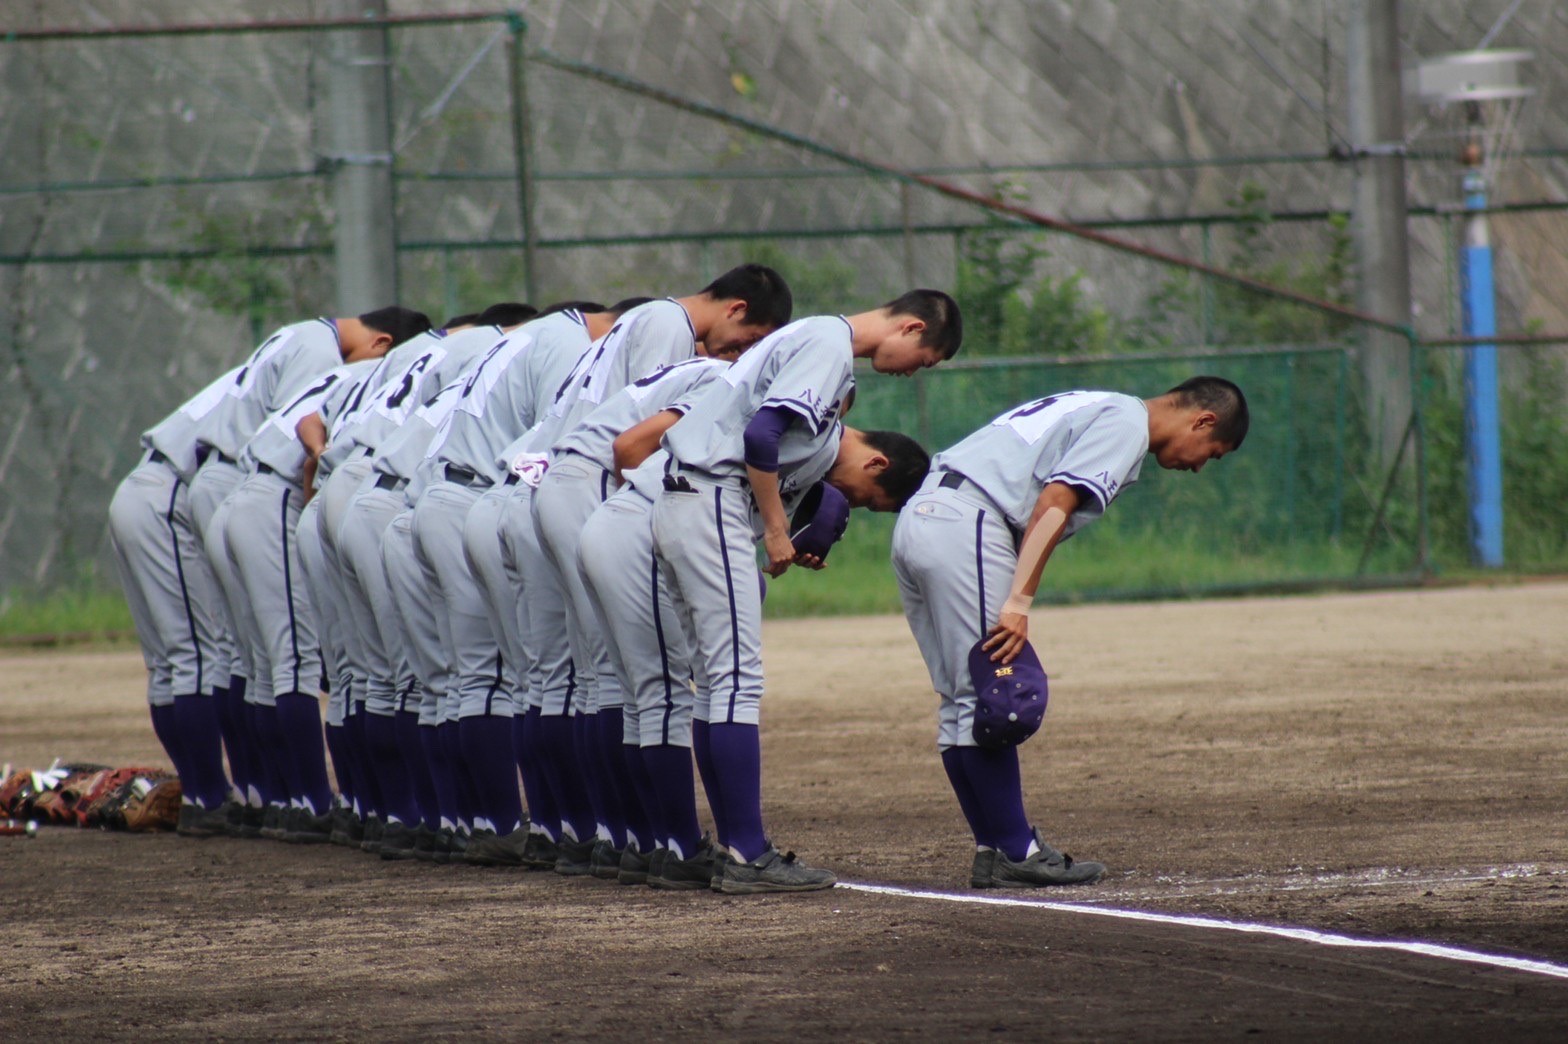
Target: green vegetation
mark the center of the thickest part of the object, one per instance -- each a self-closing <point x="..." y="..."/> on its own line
<point x="79" y="612"/>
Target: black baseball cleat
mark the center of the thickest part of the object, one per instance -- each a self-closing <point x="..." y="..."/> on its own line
<point x="980" y="871"/>
<point x="604" y="862"/>
<point x="773" y="871"/>
<point x="1045" y="867"/>
<point x="370" y="840"/>
<point x="398" y="840"/>
<point x="196" y="821"/>
<point x="634" y="865"/>
<point x="304" y="827"/>
<point x="695" y="873"/>
<point x="425" y="844"/>
<point x="574" y="858"/>
<point x="540" y="852"/>
<point x="487" y="848"/>
<point x="273" y="820"/>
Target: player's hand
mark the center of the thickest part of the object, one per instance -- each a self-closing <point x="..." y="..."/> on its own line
<point x="809" y="561"/>
<point x="1007" y="637"/>
<point x="781" y="552"/>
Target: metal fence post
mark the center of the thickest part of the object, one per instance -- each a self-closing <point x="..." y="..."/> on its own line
<point x="1417" y="396"/>
<point x="522" y="149"/>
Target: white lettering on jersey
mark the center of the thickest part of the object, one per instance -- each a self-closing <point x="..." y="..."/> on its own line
<point x="1033" y="419"/>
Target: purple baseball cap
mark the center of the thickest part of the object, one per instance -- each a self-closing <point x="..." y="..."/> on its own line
<point x="1009" y="699"/>
<point x="819" y="521"/>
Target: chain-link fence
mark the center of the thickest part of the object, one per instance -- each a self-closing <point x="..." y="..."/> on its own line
<point x="167" y="200"/>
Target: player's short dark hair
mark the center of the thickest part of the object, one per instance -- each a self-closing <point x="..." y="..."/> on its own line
<point x="767" y="296"/>
<point x="907" y="464"/>
<point x="401" y="323"/>
<point x="466" y="319"/>
<point x="507" y="313"/>
<point x="570" y="306"/>
<point x="944" y="325"/>
<point x="626" y="304"/>
<point x="1222" y="397"/>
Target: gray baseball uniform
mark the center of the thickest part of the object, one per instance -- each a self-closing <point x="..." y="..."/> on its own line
<point x="580" y="478"/>
<point x="262" y="541"/>
<point x="955" y="542"/>
<point x="705" y="525"/>
<point x="174" y="599"/>
<point x="646" y="628"/>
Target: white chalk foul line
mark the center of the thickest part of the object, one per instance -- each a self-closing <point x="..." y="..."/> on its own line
<point x="1308" y="935"/>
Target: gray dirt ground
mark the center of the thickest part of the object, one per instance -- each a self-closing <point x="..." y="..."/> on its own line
<point x="1389" y="765"/>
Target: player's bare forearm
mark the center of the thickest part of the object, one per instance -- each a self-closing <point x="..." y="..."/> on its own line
<point x="312" y="433"/>
<point x="309" y="476"/>
<point x="775" y="523"/>
<point x="639" y="442"/>
<point x="1047" y="522"/>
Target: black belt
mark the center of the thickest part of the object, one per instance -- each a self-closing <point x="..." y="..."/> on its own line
<point x="385" y="481"/>
<point x="464" y="476"/>
<point x="511" y="479"/>
<point x="951" y="480"/>
<point x="265" y="469"/>
<point x="156" y="456"/>
<point x="677" y="484"/>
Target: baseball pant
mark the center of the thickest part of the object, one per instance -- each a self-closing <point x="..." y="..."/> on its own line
<point x="326" y="605"/>
<point x="954" y="556"/>
<point x="420" y="625"/>
<point x="499" y="588"/>
<point x="173" y="596"/>
<point x="368" y="599"/>
<point x="471" y="647"/>
<point x="211" y="486"/>
<point x="351" y="672"/>
<point x="644" y="626"/>
<point x="566" y="498"/>
<point x="552" y="683"/>
<point x="263" y="514"/>
<point x="705" y="544"/>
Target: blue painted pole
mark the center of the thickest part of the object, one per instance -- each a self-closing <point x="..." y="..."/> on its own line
<point x="1483" y="438"/>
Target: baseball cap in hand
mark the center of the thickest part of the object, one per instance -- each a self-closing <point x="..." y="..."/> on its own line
<point x="1009" y="699"/>
<point x="819" y="521"/>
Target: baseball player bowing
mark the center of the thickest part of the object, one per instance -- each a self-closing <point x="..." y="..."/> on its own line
<point x="766" y="431"/>
<point x="968" y="552"/>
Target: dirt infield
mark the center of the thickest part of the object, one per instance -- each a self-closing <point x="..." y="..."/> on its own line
<point x="1385" y="766"/>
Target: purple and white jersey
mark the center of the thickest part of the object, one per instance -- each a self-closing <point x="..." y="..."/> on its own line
<point x="276" y="444"/>
<point x="415" y="382"/>
<point x="807" y="367"/>
<point x="1094" y="440"/>
<point x="594" y="438"/>
<point x="175" y="435"/>
<point x="644" y="339"/>
<point x="505" y="392"/>
<point x="282" y="367"/>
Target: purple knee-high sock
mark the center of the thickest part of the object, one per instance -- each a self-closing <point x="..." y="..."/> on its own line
<point x="196" y="716"/>
<point x="562" y="775"/>
<point x="272" y="761"/>
<point x="168" y="733"/>
<point x="993" y="776"/>
<point x="542" y="809"/>
<point x="737" y="764"/>
<point x="618" y="779"/>
<point x="591" y="770"/>
<point x="299" y="714"/>
<point x="337" y="754"/>
<point x="463" y="783"/>
<point x="492" y="765"/>
<point x="230" y="727"/>
<point x="418" y="769"/>
<point x="673" y="792"/>
<point x="702" y="750"/>
<point x="968" y="801"/>
<point x="386" y="759"/>
<point x="366" y="789"/>
<point x="440" y="773"/>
